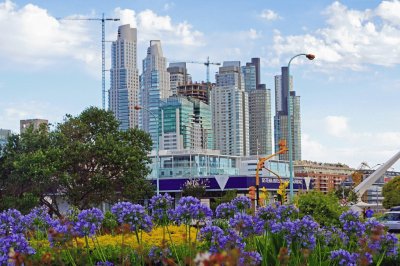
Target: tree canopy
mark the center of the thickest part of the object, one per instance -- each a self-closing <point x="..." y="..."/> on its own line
<point x="391" y="193"/>
<point x="85" y="159"/>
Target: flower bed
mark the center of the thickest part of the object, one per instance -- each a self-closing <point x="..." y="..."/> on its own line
<point x="190" y="234"/>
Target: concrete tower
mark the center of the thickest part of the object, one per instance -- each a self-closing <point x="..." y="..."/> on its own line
<point x="124" y="91"/>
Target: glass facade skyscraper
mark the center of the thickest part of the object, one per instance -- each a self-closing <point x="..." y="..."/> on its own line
<point x="154" y="86"/>
<point x="281" y="115"/>
<point x="185" y="123"/>
<point x="124" y="91"/>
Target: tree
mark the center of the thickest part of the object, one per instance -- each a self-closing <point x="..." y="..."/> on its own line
<point x="324" y="208"/>
<point x="27" y="169"/>
<point x="346" y="194"/>
<point x="86" y="159"/>
<point x="391" y="193"/>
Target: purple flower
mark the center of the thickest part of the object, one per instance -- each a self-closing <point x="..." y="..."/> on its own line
<point x="250" y="258"/>
<point x="17" y="243"/>
<point x="158" y="255"/>
<point x="159" y="207"/>
<point x="246" y="224"/>
<point x="212" y="236"/>
<point x="300" y="231"/>
<point x="231" y="240"/>
<point x="134" y="215"/>
<point x="332" y="236"/>
<point x="60" y="233"/>
<point x="351" y="223"/>
<point x="104" y="263"/>
<point x="89" y="221"/>
<point x="11" y="222"/>
<point x="188" y="209"/>
<point x="225" y="211"/>
<point x="38" y="219"/>
<point x="285" y="212"/>
<point x="241" y="203"/>
<point x="389" y="244"/>
<point x="344" y="257"/>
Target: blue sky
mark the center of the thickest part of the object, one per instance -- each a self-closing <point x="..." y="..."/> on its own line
<point x="349" y="93"/>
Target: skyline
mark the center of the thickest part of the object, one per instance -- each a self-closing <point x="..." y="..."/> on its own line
<point x="348" y="93"/>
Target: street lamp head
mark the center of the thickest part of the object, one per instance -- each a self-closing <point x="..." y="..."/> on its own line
<point x="310" y="56"/>
<point x="137" y="107"/>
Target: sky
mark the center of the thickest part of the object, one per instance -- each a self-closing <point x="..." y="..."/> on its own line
<point x="349" y="94"/>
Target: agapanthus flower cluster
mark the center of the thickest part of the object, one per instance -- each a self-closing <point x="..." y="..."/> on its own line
<point x="225" y="211"/>
<point x="300" y="231"/>
<point x="351" y="223"/>
<point x="13" y="243"/>
<point x="269" y="215"/>
<point x="60" y="233"/>
<point x="159" y="255"/>
<point x="104" y="263"/>
<point x="332" y="236"/>
<point x="285" y="212"/>
<point x="38" y="219"/>
<point x="249" y="258"/>
<point x="212" y="235"/>
<point x="133" y="214"/>
<point x="89" y="221"/>
<point x="389" y="244"/>
<point x="247" y="225"/>
<point x="241" y="203"/>
<point x="345" y="258"/>
<point x="231" y="240"/>
<point x="11" y="222"/>
<point x="159" y="207"/>
<point x="189" y="209"/>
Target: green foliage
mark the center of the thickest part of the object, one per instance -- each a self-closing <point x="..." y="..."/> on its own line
<point x="347" y="193"/>
<point x="227" y="197"/>
<point x="86" y="159"/>
<point x="391" y="193"/>
<point x="109" y="224"/>
<point x="324" y="208"/>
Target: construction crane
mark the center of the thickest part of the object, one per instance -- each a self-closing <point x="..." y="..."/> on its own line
<point x="207" y="64"/>
<point x="103" y="51"/>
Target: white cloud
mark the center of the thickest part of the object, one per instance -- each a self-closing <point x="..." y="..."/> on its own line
<point x="153" y="26"/>
<point x="337" y="125"/>
<point x="31" y="36"/>
<point x="269" y="15"/>
<point x="351" y="38"/>
<point x="12" y="112"/>
<point x="254" y="34"/>
<point x="168" y="6"/>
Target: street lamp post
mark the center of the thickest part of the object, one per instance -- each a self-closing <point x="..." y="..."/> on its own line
<point x="289" y="123"/>
<point x="137" y="107"/>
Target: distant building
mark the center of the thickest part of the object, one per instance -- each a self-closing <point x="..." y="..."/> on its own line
<point x="281" y="116"/>
<point x="260" y="118"/>
<point x="325" y="177"/>
<point x="124" y="91"/>
<point x="198" y="91"/>
<point x="35" y="123"/>
<point x="185" y="124"/>
<point x="178" y="76"/>
<point x="4" y="134"/>
<point x="154" y="86"/>
<point x="230" y="110"/>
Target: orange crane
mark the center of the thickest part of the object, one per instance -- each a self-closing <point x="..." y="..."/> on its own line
<point x="103" y="53"/>
<point x="260" y="165"/>
<point x="207" y="64"/>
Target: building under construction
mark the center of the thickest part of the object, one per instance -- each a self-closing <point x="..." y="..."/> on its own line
<point x="196" y="90"/>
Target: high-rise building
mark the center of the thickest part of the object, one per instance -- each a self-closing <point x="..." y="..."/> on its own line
<point x="124" y="91"/>
<point x="260" y="121"/>
<point x="154" y="86"/>
<point x="260" y="136"/>
<point x="281" y="115"/>
<point x="195" y="90"/>
<point x="35" y="123"/>
<point x="178" y="76"/>
<point x="185" y="123"/>
<point x="230" y="110"/>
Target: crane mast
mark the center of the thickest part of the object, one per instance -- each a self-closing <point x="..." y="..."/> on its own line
<point x="103" y="52"/>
